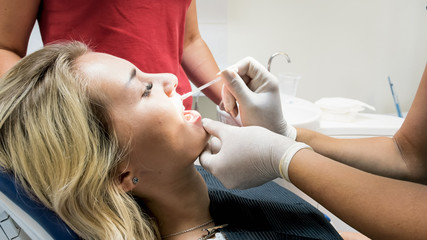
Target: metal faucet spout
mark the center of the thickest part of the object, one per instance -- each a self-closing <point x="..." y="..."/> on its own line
<point x="276" y="54"/>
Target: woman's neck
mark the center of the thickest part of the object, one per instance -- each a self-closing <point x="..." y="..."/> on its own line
<point x="179" y="202"/>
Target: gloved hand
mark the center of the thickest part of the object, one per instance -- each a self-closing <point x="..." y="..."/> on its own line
<point x="257" y="93"/>
<point x="244" y="157"/>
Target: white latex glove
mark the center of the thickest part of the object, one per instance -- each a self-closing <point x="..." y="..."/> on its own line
<point x="244" y="157"/>
<point x="257" y="93"/>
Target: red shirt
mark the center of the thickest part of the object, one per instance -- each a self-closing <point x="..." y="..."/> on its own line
<point x="148" y="33"/>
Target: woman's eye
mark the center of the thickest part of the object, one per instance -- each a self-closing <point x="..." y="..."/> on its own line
<point x="147" y="90"/>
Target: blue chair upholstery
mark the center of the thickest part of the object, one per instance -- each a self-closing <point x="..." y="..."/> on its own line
<point x="46" y="218"/>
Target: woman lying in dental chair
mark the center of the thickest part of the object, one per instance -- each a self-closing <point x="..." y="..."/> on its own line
<point x="110" y="150"/>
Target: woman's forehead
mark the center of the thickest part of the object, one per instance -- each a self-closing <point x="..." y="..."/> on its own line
<point x="94" y="62"/>
<point x="102" y="66"/>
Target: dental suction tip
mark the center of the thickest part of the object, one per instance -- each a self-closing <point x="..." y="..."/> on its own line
<point x="201" y="88"/>
<point x="183" y="97"/>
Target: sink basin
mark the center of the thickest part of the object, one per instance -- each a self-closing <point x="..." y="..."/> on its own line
<point x="298" y="113"/>
<point x="302" y="113"/>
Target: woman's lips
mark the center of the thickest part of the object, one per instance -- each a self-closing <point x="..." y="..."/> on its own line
<point x="192" y="116"/>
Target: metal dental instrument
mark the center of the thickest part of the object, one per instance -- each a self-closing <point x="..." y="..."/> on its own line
<point x="201" y="88"/>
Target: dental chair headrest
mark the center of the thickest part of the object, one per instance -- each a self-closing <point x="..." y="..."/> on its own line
<point x="46" y="218"/>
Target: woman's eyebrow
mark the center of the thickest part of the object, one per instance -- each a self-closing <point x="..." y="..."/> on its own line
<point x="132" y="75"/>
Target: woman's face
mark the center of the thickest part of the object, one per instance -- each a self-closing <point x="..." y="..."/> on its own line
<point x="146" y="112"/>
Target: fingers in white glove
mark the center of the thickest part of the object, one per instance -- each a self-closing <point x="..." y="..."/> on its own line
<point x="246" y="156"/>
<point x="215" y="145"/>
<point x="249" y="69"/>
<point x="213" y="128"/>
<point x="257" y="94"/>
<point x="236" y="85"/>
<point x="229" y="102"/>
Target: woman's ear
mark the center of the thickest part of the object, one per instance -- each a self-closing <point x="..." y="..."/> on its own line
<point x="125" y="175"/>
<point x="126" y="181"/>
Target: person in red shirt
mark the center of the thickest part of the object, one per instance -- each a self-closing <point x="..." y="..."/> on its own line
<point x="156" y="35"/>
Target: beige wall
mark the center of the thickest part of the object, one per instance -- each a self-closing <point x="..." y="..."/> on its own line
<point x="341" y="48"/>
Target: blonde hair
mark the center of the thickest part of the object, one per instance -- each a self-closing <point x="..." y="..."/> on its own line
<point x="60" y="146"/>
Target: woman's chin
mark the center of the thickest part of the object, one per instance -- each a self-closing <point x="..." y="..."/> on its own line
<point x="200" y="148"/>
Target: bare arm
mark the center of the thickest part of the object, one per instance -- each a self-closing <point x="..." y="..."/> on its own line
<point x="379" y="207"/>
<point x="197" y="59"/>
<point x="377" y="155"/>
<point x="412" y="136"/>
<point x="17" y="18"/>
<point x="402" y="157"/>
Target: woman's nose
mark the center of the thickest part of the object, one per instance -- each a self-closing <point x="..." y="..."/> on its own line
<point x="169" y="82"/>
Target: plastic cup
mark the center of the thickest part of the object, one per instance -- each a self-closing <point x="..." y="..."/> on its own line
<point x="288" y="85"/>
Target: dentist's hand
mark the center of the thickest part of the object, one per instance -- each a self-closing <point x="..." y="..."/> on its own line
<point x="244" y="157"/>
<point x="257" y="93"/>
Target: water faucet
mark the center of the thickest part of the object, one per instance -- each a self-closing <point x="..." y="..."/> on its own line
<point x="274" y="55"/>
